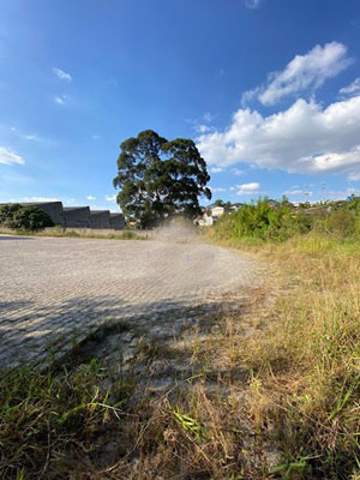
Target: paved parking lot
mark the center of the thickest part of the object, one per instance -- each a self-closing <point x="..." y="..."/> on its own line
<point x="54" y="291"/>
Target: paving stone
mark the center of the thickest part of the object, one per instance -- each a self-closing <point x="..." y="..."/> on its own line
<point x="56" y="291"/>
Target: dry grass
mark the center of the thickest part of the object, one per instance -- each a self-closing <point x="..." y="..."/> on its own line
<point x="81" y="233"/>
<point x="305" y="393"/>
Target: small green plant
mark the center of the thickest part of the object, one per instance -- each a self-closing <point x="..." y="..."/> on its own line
<point x="189" y="425"/>
<point x="293" y="468"/>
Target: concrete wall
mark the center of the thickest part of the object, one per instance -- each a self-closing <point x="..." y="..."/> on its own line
<point x="53" y="209"/>
<point x="117" y="221"/>
<point x="77" y="217"/>
<point x="100" y="219"/>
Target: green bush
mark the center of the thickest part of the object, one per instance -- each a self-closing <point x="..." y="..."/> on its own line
<point x="263" y="220"/>
<point x="7" y="212"/>
<point x="341" y="222"/>
<point x="20" y="217"/>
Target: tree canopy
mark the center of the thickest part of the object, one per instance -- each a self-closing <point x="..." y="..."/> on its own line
<point x="158" y="178"/>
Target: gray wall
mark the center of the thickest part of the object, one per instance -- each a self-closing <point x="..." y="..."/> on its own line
<point x="99" y="219"/>
<point x="117" y="221"/>
<point x="53" y="209"/>
<point x="77" y="217"/>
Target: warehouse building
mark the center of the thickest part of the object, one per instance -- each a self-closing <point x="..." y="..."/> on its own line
<point x="117" y="221"/>
<point x="100" y="219"/>
<point x="77" y="217"/>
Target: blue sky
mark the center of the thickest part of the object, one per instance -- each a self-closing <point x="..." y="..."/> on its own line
<point x="269" y="89"/>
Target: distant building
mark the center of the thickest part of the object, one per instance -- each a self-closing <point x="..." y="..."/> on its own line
<point x="217" y="211"/>
<point x="206" y="220"/>
<point x="77" y="217"/>
<point x="117" y="221"/>
<point x="235" y="206"/>
<point x="100" y="219"/>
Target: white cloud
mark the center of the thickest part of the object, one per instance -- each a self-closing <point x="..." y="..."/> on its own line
<point x="252" y="4"/>
<point x="201" y="125"/>
<point x="32" y="137"/>
<point x="60" y="99"/>
<point x="40" y="199"/>
<point x="246" y="188"/>
<point x="217" y="189"/>
<point x="305" y="138"/>
<point x="208" y="117"/>
<point x="302" y="73"/>
<point x="297" y="192"/>
<point x="237" y="172"/>
<point x="354" y="176"/>
<point x="61" y="74"/>
<point x="352" y="89"/>
<point x="91" y="198"/>
<point x="110" y="198"/>
<point x="8" y="157"/>
<point x="203" y="128"/>
<point x="216" y="169"/>
<point x="96" y="137"/>
<point x="341" y="194"/>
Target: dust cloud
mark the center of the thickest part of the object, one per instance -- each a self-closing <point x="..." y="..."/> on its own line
<point x="178" y="230"/>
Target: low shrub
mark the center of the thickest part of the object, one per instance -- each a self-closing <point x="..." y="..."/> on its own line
<point x="262" y="220"/>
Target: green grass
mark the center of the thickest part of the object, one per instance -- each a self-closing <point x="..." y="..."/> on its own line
<point x="50" y="421"/>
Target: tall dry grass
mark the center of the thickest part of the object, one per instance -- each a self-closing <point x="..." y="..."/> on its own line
<point x="107" y="234"/>
<point x="305" y="390"/>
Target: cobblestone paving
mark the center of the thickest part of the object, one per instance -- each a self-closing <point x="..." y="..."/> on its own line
<point x="55" y="291"/>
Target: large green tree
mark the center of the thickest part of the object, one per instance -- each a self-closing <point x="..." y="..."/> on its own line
<point x="158" y="178"/>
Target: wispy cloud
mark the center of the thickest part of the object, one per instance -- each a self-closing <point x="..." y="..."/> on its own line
<point x="298" y="192"/>
<point x="61" y="74"/>
<point x="246" y="188"/>
<point x="9" y="157"/>
<point x="252" y="4"/>
<point x="110" y="198"/>
<point x="61" y="99"/>
<point x="40" y="199"/>
<point x="217" y="189"/>
<point x="303" y="73"/>
<point x="208" y="117"/>
<point x="31" y="137"/>
<point x="201" y="124"/>
<point x="352" y="89"/>
<point x="216" y="169"/>
<point x="91" y="198"/>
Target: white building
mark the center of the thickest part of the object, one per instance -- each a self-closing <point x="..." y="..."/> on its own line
<point x="217" y="211"/>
